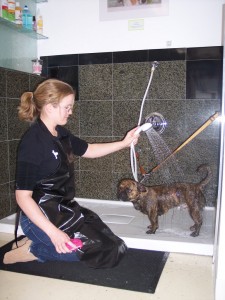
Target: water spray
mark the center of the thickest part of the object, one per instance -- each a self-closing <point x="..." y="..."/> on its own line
<point x="190" y="138"/>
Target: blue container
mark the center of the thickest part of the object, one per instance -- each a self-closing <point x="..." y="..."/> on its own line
<point x="27" y="18"/>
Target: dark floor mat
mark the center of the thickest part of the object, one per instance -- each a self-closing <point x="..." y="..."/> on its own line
<point x="139" y="270"/>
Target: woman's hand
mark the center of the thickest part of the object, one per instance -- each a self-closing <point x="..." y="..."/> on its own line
<point x="59" y="240"/>
<point x="32" y="210"/>
<point x="131" y="137"/>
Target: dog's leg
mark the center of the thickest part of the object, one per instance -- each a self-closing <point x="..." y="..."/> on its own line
<point x="153" y="218"/>
<point x="196" y="216"/>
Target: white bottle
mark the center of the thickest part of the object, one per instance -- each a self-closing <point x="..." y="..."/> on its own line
<point x="18" y="14"/>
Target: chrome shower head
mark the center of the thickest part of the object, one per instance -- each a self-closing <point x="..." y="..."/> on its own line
<point x="144" y="127"/>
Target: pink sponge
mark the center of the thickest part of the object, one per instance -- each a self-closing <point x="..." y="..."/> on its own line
<point x="77" y="242"/>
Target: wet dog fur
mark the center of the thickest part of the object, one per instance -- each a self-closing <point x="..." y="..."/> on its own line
<point x="156" y="200"/>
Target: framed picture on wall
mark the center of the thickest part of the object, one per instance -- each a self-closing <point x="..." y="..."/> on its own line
<point x="127" y="9"/>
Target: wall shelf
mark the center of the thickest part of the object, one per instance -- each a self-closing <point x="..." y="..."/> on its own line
<point x="19" y="44"/>
<point x="28" y="32"/>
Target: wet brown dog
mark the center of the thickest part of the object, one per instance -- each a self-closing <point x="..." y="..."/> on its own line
<point x="156" y="200"/>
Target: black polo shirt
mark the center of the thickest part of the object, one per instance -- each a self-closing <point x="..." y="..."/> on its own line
<point x="38" y="156"/>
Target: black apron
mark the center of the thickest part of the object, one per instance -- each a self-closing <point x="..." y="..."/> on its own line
<point x="55" y="197"/>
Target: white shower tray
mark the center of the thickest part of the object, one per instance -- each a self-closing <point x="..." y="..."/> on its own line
<point x="173" y="234"/>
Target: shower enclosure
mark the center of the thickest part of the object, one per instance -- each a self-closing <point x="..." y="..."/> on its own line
<point x="185" y="91"/>
<point x="219" y="244"/>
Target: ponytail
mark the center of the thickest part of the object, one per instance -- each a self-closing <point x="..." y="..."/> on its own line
<point x="27" y="111"/>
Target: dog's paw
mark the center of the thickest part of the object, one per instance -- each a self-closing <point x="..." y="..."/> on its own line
<point x="150" y="231"/>
<point x="195" y="230"/>
<point x="194" y="234"/>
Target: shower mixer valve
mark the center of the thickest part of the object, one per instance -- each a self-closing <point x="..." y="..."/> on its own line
<point x="157" y="120"/>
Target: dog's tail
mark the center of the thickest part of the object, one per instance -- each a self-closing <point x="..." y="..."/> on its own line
<point x="207" y="178"/>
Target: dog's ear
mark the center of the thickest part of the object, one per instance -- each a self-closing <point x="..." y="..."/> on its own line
<point x="141" y="188"/>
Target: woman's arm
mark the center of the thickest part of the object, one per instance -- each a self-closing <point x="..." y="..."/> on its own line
<point x="102" y="149"/>
<point x="33" y="212"/>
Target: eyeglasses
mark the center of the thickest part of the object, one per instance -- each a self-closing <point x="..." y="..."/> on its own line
<point x="68" y="108"/>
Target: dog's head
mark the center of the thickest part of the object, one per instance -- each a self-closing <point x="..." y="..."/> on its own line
<point x="130" y="190"/>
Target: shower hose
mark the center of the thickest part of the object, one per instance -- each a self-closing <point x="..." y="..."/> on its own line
<point x="133" y="159"/>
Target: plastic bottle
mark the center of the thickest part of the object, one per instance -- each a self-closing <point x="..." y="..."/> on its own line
<point x="40" y="24"/>
<point x="18" y="15"/>
<point x="34" y="24"/>
<point x="11" y="10"/>
<point x="37" y="66"/>
<point x="27" y="18"/>
<point x="4" y="9"/>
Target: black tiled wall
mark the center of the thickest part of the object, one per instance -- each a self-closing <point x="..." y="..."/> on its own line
<point x="12" y="85"/>
<point x="186" y="90"/>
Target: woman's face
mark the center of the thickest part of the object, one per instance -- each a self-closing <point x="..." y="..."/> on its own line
<point x="64" y="109"/>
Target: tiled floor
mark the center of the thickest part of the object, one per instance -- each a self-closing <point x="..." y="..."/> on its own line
<point x="185" y="277"/>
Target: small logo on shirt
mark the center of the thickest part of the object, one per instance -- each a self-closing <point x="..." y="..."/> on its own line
<point x="55" y="154"/>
